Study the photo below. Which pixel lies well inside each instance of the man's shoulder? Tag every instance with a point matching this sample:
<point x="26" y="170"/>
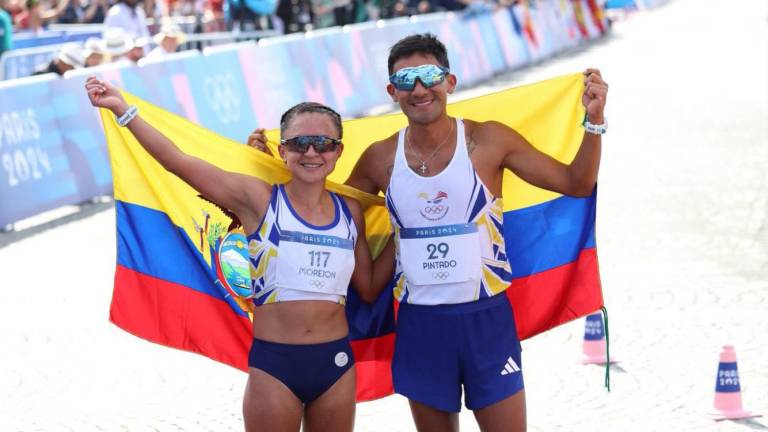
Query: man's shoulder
<point x="488" y="129"/>
<point x="382" y="149"/>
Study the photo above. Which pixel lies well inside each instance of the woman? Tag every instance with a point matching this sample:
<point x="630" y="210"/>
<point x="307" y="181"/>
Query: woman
<point x="306" y="244"/>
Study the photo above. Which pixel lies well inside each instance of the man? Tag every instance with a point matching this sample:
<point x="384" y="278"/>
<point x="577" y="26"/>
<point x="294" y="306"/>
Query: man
<point x="442" y="178"/>
<point x="446" y="174"/>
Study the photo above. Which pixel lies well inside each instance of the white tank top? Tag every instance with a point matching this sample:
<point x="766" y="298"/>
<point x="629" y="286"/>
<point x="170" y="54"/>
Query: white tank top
<point x="448" y="232"/>
<point x="291" y="259"/>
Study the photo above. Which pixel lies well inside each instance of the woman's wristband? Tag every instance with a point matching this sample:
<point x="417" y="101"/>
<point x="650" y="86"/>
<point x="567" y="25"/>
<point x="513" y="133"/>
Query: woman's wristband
<point x="127" y="116"/>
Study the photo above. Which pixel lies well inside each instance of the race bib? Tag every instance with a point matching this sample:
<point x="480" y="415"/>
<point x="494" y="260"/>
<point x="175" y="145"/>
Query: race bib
<point x="440" y="255"/>
<point x="315" y="262"/>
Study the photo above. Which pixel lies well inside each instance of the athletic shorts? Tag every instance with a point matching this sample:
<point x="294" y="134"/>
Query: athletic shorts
<point x="440" y="348"/>
<point x="307" y="370"/>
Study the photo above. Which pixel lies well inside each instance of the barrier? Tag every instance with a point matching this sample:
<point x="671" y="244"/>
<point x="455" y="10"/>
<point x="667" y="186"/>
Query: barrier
<point x="22" y="62"/>
<point x="34" y="39"/>
<point x="52" y="149"/>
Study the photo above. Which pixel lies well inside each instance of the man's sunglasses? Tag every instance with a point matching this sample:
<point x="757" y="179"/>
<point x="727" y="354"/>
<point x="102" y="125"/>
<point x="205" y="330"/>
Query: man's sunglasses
<point x="301" y="143"/>
<point x="429" y="75"/>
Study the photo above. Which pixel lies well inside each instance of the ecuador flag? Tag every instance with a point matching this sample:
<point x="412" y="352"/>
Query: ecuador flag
<point x="180" y="268"/>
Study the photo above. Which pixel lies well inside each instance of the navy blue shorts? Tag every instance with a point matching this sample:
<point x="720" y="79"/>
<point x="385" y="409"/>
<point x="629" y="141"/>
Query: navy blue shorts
<point x="307" y="370"/>
<point x="440" y="348"/>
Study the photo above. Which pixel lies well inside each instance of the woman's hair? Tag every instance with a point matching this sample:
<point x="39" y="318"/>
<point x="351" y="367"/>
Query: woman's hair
<point x="426" y="43"/>
<point x="309" y="107"/>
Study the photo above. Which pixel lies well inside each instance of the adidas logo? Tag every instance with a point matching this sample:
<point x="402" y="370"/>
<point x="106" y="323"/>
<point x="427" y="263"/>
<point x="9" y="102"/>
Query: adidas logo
<point x="510" y="367"/>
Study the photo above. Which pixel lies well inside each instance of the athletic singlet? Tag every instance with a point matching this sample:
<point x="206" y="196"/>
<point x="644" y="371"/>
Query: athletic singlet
<point x="448" y="232"/>
<point x="291" y="259"/>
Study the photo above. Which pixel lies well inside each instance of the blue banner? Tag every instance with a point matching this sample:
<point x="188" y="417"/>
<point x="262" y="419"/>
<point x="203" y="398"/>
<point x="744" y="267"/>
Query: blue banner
<point x="36" y="172"/>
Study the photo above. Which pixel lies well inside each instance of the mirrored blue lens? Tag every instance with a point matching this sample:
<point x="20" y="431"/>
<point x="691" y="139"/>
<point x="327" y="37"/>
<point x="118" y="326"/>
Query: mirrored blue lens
<point x="429" y="75"/>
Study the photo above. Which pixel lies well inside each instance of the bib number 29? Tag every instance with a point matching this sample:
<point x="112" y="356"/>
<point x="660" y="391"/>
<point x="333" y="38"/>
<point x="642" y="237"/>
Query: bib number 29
<point x="435" y="249"/>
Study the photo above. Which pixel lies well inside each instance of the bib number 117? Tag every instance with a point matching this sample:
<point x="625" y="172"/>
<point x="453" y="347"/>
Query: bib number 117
<point x="435" y="249"/>
<point x="318" y="258"/>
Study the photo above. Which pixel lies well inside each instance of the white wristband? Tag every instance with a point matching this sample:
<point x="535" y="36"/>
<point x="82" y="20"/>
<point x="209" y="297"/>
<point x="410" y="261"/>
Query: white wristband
<point x="595" y="129"/>
<point x="127" y="116"/>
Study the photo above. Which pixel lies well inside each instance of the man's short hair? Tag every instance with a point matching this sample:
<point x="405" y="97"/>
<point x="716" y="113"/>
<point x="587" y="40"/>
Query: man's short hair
<point x="425" y="43"/>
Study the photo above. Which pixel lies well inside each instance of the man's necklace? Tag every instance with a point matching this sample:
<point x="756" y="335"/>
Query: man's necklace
<point x="423" y="167"/>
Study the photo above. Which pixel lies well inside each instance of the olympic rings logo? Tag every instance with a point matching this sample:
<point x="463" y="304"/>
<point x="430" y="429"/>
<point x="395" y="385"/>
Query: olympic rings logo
<point x="440" y="275"/>
<point x="436" y="209"/>
<point x="434" y="212"/>
<point x="222" y="97"/>
<point x="317" y="284"/>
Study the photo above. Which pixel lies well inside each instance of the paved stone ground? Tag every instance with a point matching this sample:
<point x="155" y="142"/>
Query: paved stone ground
<point x="682" y="234"/>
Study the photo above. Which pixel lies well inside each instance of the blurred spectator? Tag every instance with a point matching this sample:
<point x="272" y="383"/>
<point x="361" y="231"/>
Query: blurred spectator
<point x="153" y="9"/>
<point x="69" y="57"/>
<point x="137" y="51"/>
<point x="117" y="43"/>
<point x="343" y="12"/>
<point x="128" y="16"/>
<point x="6" y="28"/>
<point x="330" y="13"/>
<point x="81" y="11"/>
<point x="31" y="17"/>
<point x="323" y="12"/>
<point x="95" y="52"/>
<point x="213" y="16"/>
<point x="168" y="40"/>
<point x="249" y="15"/>
<point x="187" y="8"/>
<point x="296" y="15"/>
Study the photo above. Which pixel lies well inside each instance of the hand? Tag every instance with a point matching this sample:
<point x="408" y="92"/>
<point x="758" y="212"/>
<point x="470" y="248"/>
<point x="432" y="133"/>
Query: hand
<point x="105" y="95"/>
<point x="258" y="140"/>
<point x="595" y="95"/>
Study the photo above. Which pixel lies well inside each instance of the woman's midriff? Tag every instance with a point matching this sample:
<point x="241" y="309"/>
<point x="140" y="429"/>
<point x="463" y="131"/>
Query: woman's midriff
<point x="300" y="322"/>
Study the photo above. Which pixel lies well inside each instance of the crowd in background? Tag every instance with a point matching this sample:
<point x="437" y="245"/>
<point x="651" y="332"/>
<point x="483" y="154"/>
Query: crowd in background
<point x="135" y="29"/>
<point x="222" y="15"/>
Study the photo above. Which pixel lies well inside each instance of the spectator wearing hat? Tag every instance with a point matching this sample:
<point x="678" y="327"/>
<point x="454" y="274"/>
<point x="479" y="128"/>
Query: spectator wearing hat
<point x="136" y="53"/>
<point x="117" y="43"/>
<point x="95" y="52"/>
<point x="69" y="57"/>
<point x="168" y="40"/>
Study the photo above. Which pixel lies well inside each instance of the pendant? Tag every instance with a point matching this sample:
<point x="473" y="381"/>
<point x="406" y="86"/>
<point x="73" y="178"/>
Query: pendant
<point x="423" y="168"/>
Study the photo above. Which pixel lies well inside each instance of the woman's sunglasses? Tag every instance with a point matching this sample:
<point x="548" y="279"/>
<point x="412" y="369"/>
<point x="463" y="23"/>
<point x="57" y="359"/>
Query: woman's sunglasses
<point x="301" y="143"/>
<point x="429" y="75"/>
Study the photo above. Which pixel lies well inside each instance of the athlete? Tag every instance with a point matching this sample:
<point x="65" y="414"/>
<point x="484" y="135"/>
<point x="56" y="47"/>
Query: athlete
<point x="306" y="244"/>
<point x="442" y="178"/>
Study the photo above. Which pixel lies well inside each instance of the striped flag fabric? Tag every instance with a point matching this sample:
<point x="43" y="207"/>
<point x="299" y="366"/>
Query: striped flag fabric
<point x="180" y="277"/>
